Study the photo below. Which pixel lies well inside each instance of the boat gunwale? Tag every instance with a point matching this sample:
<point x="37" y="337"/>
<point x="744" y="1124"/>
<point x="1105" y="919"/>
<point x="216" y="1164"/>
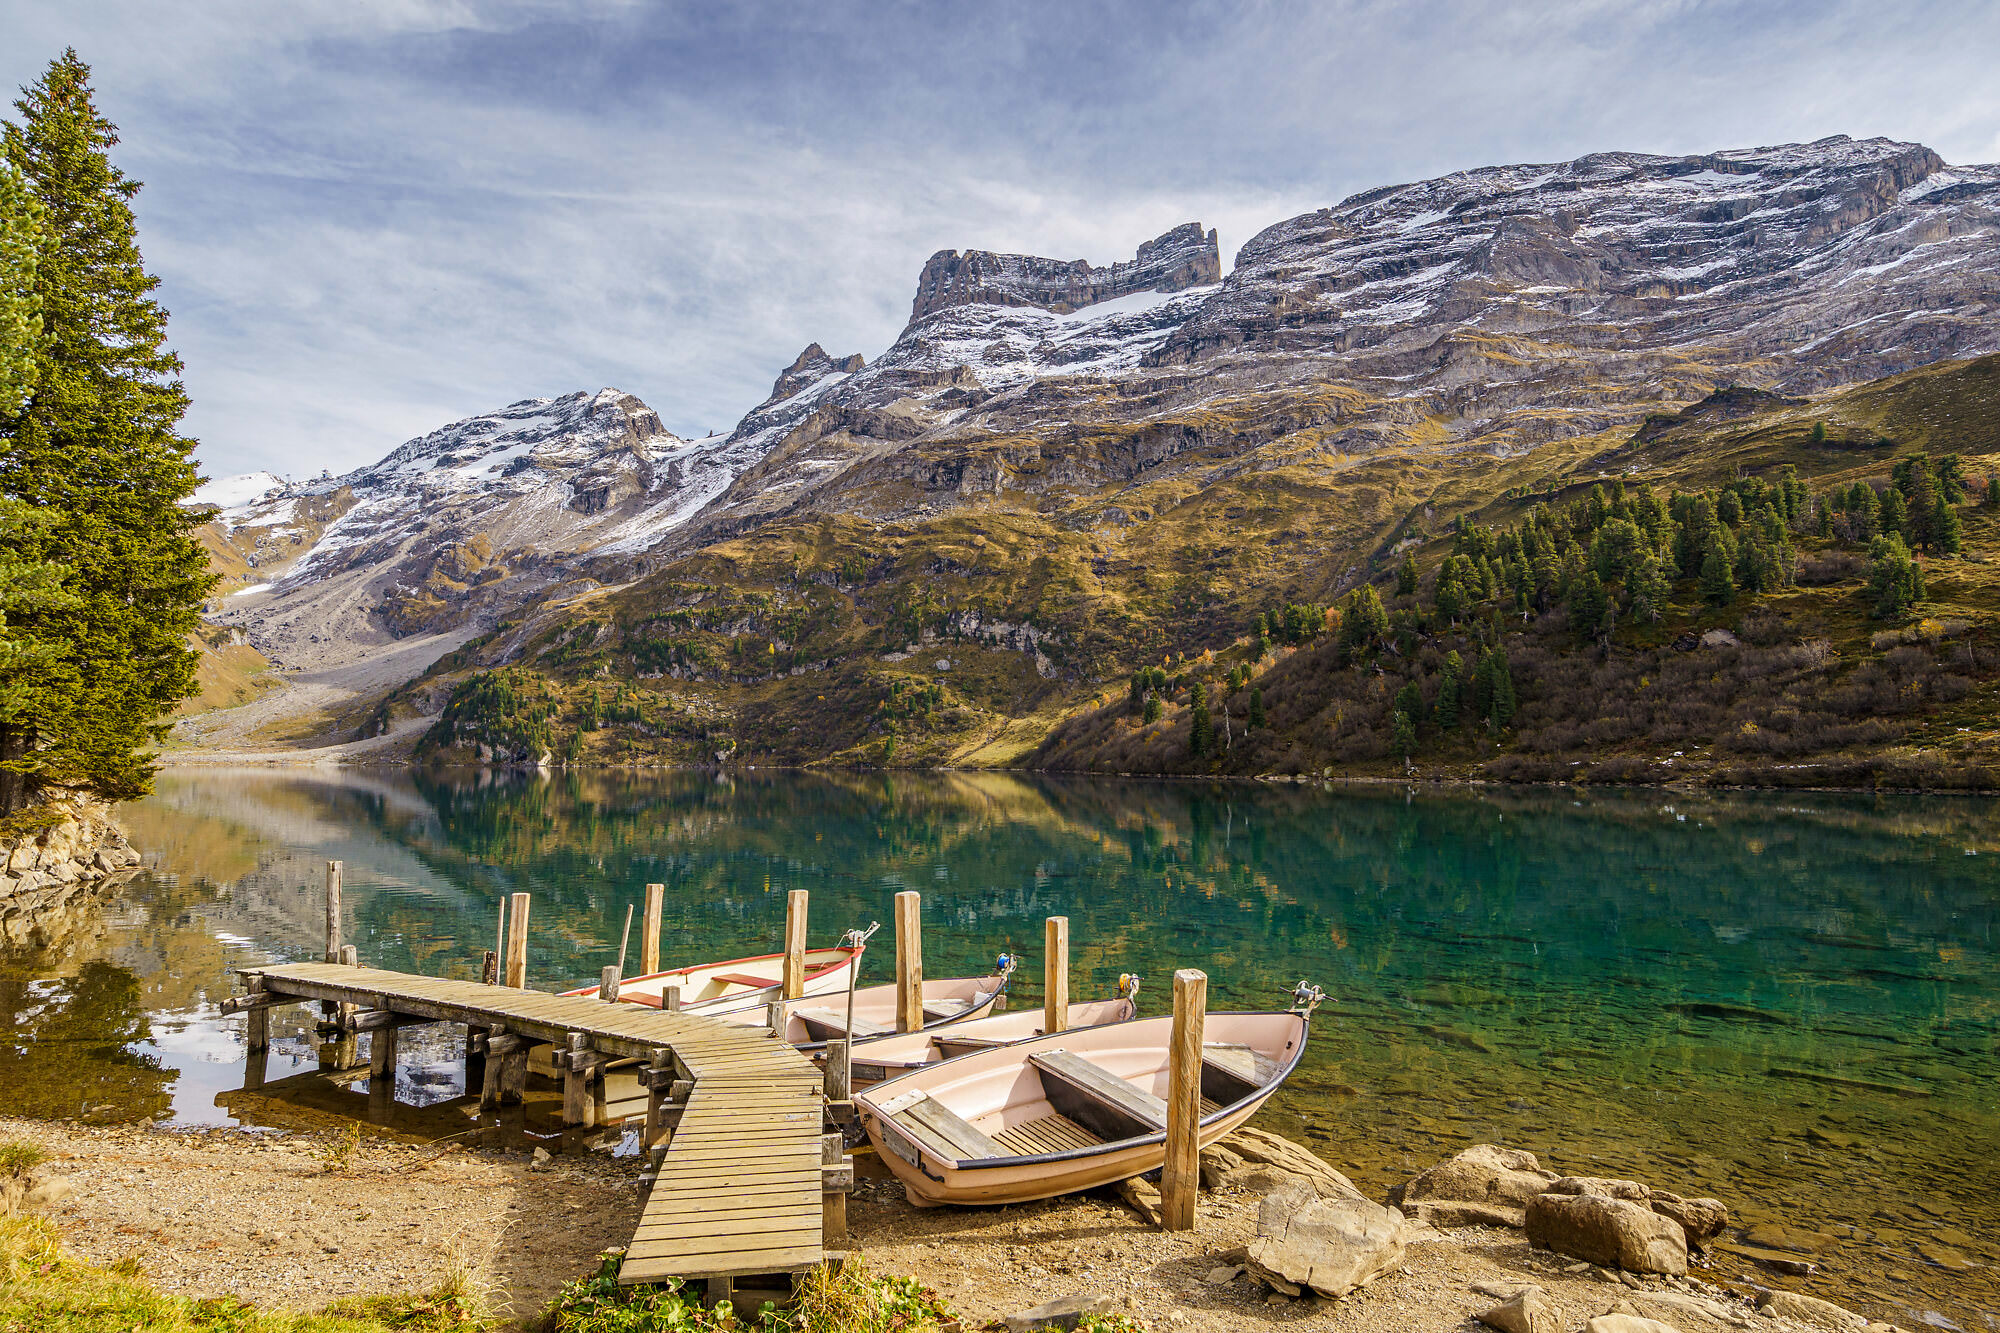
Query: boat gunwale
<point x="1110" y="1145"/>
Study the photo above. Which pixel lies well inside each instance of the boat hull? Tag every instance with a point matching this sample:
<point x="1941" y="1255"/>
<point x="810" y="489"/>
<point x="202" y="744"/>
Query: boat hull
<point x="1000" y="1093"/>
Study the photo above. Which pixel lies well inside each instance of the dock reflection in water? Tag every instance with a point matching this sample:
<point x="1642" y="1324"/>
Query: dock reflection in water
<point x="1790" y="1002"/>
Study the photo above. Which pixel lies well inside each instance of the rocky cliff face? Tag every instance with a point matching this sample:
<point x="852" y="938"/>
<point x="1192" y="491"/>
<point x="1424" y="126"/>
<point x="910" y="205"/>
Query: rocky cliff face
<point x="1497" y="309"/>
<point x="1184" y="257"/>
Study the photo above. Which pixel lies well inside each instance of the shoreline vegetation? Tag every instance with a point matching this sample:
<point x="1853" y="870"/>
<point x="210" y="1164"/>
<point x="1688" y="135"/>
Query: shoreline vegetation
<point x="236" y="1231"/>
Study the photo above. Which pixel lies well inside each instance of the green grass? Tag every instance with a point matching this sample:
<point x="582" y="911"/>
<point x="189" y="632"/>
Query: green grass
<point x="18" y="1158"/>
<point x="44" y="1290"/>
<point x="848" y="1300"/>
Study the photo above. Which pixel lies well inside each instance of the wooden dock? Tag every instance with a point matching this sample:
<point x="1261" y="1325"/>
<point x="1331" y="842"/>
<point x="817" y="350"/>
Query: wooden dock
<point x="739" y="1191"/>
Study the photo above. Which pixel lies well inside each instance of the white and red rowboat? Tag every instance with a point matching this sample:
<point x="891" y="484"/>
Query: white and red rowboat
<point x="1070" y="1110"/>
<point x="737" y="982"/>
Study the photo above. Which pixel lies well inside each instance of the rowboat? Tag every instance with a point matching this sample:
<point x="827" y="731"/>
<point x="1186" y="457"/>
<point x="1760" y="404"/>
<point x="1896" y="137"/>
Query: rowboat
<point x="811" y="1020"/>
<point x="1070" y="1110"/>
<point x="737" y="982"/>
<point x="883" y="1057"/>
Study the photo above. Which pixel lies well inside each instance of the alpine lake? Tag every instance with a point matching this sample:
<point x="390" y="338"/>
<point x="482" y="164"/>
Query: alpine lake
<point x="1790" y="1002"/>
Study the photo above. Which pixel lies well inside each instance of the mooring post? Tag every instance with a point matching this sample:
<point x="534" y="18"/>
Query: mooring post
<point x="1055" y="975"/>
<point x="670" y="999"/>
<point x="775" y="1018"/>
<point x="837" y="1178"/>
<point x="1181" y="1176"/>
<point x="795" y="944"/>
<point x="333" y="873"/>
<point x="499" y="946"/>
<point x="607" y="984"/>
<point x="517" y="943"/>
<point x="909" y="961"/>
<point x="649" y="930"/>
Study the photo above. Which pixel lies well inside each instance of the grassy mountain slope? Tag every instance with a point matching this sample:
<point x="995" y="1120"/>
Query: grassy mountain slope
<point x="999" y="626"/>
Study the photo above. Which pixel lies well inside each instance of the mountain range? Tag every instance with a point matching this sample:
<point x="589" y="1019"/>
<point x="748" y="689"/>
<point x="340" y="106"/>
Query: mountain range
<point x="1082" y="468"/>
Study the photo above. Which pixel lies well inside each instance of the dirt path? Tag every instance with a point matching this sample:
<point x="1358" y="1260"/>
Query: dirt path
<point x="262" y="1215"/>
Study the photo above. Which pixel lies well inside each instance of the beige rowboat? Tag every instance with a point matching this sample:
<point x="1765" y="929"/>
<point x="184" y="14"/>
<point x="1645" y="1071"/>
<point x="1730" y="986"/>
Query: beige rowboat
<point x="877" y="1058"/>
<point x="1068" y="1111"/>
<point x="706" y="987"/>
<point x="811" y="1020"/>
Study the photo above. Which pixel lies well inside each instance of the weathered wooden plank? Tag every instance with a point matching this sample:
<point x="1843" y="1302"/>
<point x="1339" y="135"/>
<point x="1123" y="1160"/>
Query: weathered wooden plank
<point x="1102" y="1085"/>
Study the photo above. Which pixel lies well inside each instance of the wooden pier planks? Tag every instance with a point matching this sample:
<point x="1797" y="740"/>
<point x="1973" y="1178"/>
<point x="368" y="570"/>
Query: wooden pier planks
<point x="739" y="1191"/>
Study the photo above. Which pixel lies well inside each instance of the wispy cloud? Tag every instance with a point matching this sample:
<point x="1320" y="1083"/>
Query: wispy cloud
<point x="374" y="218"/>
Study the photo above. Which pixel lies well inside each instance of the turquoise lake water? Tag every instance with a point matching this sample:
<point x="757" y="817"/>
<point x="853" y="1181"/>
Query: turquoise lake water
<point x="1791" y="1002"/>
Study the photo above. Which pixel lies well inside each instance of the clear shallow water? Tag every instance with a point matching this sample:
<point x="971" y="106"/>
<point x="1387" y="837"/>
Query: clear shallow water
<point x="1792" y="1003"/>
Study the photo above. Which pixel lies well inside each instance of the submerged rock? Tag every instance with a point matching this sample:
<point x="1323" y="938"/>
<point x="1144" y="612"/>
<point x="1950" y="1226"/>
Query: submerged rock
<point x="1601" y="1187"/>
<point x="1616" y="1233"/>
<point x="1333" y="1246"/>
<point x="1484" y="1185"/>
<point x="1809" y="1310"/>
<point x="1702" y="1219"/>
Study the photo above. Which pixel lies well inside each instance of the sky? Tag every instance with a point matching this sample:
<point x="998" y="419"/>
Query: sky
<point x="373" y="217"/>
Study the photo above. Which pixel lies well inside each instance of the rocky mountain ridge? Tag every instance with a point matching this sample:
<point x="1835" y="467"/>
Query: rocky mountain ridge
<point x="1484" y="314"/>
<point x="1173" y="261"/>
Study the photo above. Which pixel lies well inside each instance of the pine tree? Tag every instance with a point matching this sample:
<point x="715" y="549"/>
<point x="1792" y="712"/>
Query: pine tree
<point x="1502" y="713"/>
<point x="1153" y="708"/>
<point x="1946" y="528"/>
<point x="1402" y="734"/>
<point x="1410" y="701"/>
<point x="1717" y="584"/>
<point x="1586" y="606"/>
<point x="20" y="305"/>
<point x="1257" y="709"/>
<point x="1449" y="690"/>
<point x="1895" y="514"/>
<point x="1648" y="590"/>
<point x="1406" y="577"/>
<point x="96" y="447"/>
<point x="1993" y="492"/>
<point x="1895" y="580"/>
<point x="1201" y="731"/>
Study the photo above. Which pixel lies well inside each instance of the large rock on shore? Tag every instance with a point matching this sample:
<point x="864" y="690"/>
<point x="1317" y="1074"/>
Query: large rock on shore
<point x="1810" y="1310"/>
<point x="1529" y="1310"/>
<point x="1484" y="1185"/>
<point x="1333" y="1246"/>
<point x="1256" y="1159"/>
<point x="1616" y="1233"/>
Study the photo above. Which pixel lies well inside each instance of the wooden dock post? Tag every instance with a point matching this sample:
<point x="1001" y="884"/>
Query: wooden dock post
<point x="256" y="1022"/>
<point x="517" y="943"/>
<point x="333" y="875"/>
<point x="1055" y="975"/>
<point x="382" y="1055"/>
<point x="795" y="944"/>
<point x="607" y="984"/>
<point x="670" y="999"/>
<point x="649" y="930"/>
<point x="341" y="1049"/>
<point x="838" y="1086"/>
<point x="475" y="1057"/>
<point x="577" y="1101"/>
<point x="909" y="961"/>
<point x="1181" y="1176"/>
<point x="659" y="1073"/>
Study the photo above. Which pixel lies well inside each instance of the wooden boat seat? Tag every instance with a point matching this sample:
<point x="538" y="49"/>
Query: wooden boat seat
<point x="834" y="1021"/>
<point x="1097" y="1098"/>
<point x="949" y="1045"/>
<point x="939" y="1128"/>
<point x="1241" y="1062"/>
<point x="942" y="1009"/>
<point x="745" y="979"/>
